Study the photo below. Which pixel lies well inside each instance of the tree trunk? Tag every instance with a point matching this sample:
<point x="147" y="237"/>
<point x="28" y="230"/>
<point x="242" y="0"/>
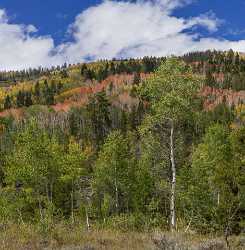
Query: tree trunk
<point x="47" y="191"/>
<point x="87" y="219"/>
<point x="51" y="192"/>
<point x="173" y="181"/>
<point x="116" y="191"/>
<point x="40" y="209"/>
<point x="72" y="204"/>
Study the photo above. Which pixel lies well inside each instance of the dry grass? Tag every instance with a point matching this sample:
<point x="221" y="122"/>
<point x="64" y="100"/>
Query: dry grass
<point x="28" y="237"/>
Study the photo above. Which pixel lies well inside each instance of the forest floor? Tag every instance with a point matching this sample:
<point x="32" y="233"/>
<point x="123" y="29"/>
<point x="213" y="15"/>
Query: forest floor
<point x="27" y="237"/>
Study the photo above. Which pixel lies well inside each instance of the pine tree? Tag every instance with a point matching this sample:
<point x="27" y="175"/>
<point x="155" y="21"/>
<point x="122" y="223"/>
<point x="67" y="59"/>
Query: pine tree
<point x="28" y="99"/>
<point x="37" y="92"/>
<point x="20" y="99"/>
<point x="7" y="102"/>
<point x="137" y="78"/>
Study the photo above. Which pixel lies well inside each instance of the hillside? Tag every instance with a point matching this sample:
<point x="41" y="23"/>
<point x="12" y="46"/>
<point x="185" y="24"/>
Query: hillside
<point x="67" y="86"/>
<point x="148" y="151"/>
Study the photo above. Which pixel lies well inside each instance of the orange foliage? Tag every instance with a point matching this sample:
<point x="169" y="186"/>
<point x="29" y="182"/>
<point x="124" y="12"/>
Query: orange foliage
<point x="17" y="114"/>
<point x="214" y="96"/>
<point x="79" y="96"/>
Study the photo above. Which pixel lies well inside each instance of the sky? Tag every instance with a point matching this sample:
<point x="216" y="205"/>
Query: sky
<point x="37" y="33"/>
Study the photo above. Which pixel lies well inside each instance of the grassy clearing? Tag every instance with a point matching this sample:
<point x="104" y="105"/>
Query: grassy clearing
<point x="67" y="237"/>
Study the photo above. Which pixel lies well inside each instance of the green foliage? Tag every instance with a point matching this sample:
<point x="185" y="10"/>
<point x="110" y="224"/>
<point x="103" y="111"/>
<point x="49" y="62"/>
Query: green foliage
<point x="221" y="69"/>
<point x="7" y="102"/>
<point x="215" y="184"/>
<point x="114" y="173"/>
<point x="107" y="165"/>
<point x="98" y="110"/>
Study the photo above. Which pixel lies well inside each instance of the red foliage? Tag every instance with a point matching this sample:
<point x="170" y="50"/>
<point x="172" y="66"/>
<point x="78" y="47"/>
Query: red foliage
<point x="16" y="113"/>
<point x="81" y="95"/>
<point x="213" y="97"/>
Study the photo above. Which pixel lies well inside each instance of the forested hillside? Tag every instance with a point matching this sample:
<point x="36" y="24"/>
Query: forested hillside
<point x="131" y="145"/>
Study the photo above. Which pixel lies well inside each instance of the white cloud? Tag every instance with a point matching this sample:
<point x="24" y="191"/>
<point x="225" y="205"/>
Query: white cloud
<point x="119" y="29"/>
<point x="31" y="29"/>
<point x="19" y="48"/>
<point x="113" y="29"/>
<point x="208" y="20"/>
<point x="169" y="5"/>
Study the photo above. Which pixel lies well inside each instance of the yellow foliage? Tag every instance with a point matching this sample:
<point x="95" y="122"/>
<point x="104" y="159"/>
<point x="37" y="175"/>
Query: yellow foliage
<point x="2" y="128"/>
<point x="240" y="112"/>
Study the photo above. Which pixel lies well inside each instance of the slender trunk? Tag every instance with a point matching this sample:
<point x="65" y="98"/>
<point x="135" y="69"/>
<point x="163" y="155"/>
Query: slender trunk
<point x="47" y="192"/>
<point x="173" y="181"/>
<point x="72" y="204"/>
<point x="51" y="192"/>
<point x="227" y="237"/>
<point x="218" y="198"/>
<point x="87" y="218"/>
<point x="116" y="190"/>
<point x="40" y="209"/>
<point x="20" y="216"/>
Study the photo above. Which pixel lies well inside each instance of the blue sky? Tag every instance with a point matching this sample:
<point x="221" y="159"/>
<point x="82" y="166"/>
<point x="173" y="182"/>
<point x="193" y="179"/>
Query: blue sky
<point x="48" y="32"/>
<point x="230" y="11"/>
<point x="51" y="17"/>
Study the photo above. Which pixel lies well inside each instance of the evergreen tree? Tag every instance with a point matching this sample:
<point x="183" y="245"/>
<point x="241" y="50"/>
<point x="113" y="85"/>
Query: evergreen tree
<point x="137" y="78"/>
<point x="37" y="91"/>
<point x="28" y="99"/>
<point x="7" y="102"/>
<point x="20" y="99"/>
<point x="98" y="109"/>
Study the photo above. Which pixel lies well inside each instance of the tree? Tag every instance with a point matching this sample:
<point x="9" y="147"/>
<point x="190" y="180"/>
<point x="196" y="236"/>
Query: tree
<point x="20" y="99"/>
<point x="237" y="139"/>
<point x="114" y="174"/>
<point x="137" y="78"/>
<point x="102" y="73"/>
<point x="37" y="91"/>
<point x="84" y="68"/>
<point x="210" y="80"/>
<point x="28" y="99"/>
<point x="48" y="94"/>
<point x="33" y="166"/>
<point x="63" y="73"/>
<point x="7" y="102"/>
<point x="73" y="169"/>
<point x="171" y="92"/>
<point x="99" y="112"/>
<point x="59" y="87"/>
<point x="216" y="181"/>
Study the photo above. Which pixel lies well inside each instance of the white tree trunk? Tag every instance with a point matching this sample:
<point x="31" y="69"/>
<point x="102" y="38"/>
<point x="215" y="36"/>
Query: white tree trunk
<point x="173" y="181"/>
<point x="72" y="205"/>
<point x="116" y="191"/>
<point x="87" y="219"/>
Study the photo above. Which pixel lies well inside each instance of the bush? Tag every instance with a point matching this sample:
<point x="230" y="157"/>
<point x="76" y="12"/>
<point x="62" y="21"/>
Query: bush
<point x="124" y="222"/>
<point x="214" y="244"/>
<point x="169" y="242"/>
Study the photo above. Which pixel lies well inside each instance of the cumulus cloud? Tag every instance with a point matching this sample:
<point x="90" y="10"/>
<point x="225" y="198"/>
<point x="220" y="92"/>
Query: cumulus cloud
<point x="126" y="29"/>
<point x="20" y="48"/>
<point x="113" y="29"/>
<point x="118" y="29"/>
<point x="208" y="20"/>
